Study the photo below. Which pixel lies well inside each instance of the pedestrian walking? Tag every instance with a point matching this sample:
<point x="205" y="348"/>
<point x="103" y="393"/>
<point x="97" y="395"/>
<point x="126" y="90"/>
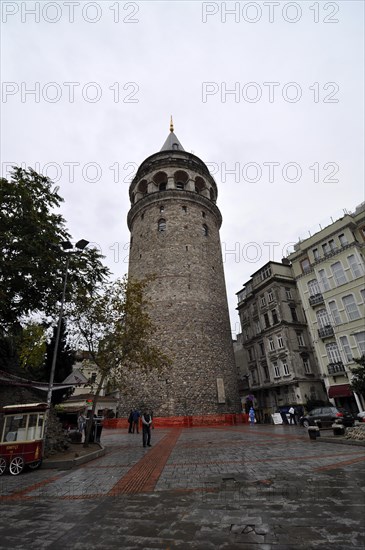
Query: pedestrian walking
<point x="136" y="417"/>
<point x="292" y="419"/>
<point x="251" y="414"/>
<point x="130" y="421"/>
<point x="146" y="429"/>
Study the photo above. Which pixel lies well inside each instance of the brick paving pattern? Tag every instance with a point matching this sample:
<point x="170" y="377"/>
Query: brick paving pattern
<point x="239" y="487"/>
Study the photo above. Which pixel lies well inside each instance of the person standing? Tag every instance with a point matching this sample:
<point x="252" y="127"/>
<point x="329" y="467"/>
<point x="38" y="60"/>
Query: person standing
<point x="146" y="429"/>
<point x="136" y="417"/>
<point x="130" y="421"/>
<point x="292" y="419"/>
<point x="251" y="414"/>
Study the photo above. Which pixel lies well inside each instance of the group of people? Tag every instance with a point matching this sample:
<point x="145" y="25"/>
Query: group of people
<point x="146" y="421"/>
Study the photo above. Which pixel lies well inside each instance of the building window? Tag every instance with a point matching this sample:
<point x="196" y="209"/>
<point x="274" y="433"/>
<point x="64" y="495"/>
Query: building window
<point x="162" y="186"/>
<point x="184" y="208"/>
<point x="265" y="273"/>
<point x="307" y="367"/>
<point x="360" y="341"/>
<point x="280" y="341"/>
<point x="258" y="327"/>
<point x="162" y="208"/>
<point x="266" y="372"/>
<point x="338" y="273"/>
<point x="362" y="292"/>
<point x="334" y="312"/>
<point x="356" y="267"/>
<point x="332" y="245"/>
<point x="254" y="376"/>
<point x="325" y="249"/>
<point x="263" y="301"/>
<point x="270" y="296"/>
<point x="161" y="226"/>
<point x="323" y="279"/>
<point x="333" y="353"/>
<point x="275" y="319"/>
<point x="323" y="318"/>
<point x="351" y="308"/>
<point x="305" y="265"/>
<point x="346" y="348"/>
<point x="262" y="349"/>
<point x="203" y="213"/>
<point x="288" y="293"/>
<point x="343" y="240"/>
<point x="179" y="185"/>
<point x="285" y="368"/>
<point x="294" y="315"/>
<point x="276" y="370"/>
<point x="250" y="354"/>
<point x="315" y="254"/>
<point x="267" y="322"/>
<point x="205" y="230"/>
<point x="313" y="287"/>
<point x="300" y="339"/>
<point x="271" y="344"/>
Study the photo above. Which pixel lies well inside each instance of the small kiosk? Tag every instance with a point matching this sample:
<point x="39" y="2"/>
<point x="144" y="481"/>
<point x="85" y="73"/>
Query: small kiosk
<point x="21" y="436"/>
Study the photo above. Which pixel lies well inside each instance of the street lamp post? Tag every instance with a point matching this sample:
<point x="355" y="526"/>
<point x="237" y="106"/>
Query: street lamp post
<point x="66" y="245"/>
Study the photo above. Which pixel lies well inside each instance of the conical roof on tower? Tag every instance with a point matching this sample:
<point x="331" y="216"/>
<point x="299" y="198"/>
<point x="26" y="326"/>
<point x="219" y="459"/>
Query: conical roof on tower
<point x="172" y="143"/>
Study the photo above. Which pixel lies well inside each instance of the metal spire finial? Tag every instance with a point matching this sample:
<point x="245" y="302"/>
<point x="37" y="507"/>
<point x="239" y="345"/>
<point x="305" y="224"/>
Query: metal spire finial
<point x="171" y="125"/>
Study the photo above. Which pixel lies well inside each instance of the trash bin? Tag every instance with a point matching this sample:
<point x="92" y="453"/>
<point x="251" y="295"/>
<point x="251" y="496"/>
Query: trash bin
<point x="338" y="429"/>
<point x="98" y="429"/>
<point x="313" y="432"/>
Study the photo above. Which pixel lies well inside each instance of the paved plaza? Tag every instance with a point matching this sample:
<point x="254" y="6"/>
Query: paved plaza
<point x="241" y="487"/>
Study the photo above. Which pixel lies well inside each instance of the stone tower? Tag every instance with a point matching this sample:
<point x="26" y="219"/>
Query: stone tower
<point x="174" y="223"/>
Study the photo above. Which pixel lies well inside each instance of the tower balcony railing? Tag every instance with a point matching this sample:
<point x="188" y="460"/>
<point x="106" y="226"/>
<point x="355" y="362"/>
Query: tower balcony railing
<point x="337" y="367"/>
<point x="316" y="299"/>
<point x="325" y="332"/>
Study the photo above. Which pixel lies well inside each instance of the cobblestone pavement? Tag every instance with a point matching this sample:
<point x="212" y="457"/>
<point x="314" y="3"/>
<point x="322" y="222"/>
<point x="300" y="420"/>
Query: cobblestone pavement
<point x="240" y="487"/>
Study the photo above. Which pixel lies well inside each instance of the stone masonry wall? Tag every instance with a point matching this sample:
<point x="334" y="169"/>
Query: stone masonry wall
<point x="189" y="305"/>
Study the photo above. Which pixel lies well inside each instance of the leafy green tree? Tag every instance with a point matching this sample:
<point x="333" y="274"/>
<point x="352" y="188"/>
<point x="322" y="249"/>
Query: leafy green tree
<point x="31" y="265"/>
<point x="113" y="324"/>
<point x="32" y="350"/>
<point x="358" y="379"/>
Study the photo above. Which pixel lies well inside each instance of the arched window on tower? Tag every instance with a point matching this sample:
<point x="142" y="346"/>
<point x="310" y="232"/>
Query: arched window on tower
<point x="199" y="185"/>
<point x="181" y="179"/>
<point x="205" y="230"/>
<point x="161" y="226"/>
<point x="160" y="180"/>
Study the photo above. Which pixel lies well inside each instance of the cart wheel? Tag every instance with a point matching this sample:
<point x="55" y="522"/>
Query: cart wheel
<point x="34" y="465"/>
<point x="16" y="465"/>
<point x="2" y="466"/>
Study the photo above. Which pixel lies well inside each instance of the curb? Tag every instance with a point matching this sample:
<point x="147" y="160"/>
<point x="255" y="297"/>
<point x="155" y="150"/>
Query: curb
<point x="342" y="441"/>
<point x="48" y="463"/>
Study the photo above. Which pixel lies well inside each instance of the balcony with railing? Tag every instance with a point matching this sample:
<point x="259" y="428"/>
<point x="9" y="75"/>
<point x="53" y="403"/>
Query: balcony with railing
<point x="316" y="299"/>
<point x="325" y="332"/>
<point x="336" y="368"/>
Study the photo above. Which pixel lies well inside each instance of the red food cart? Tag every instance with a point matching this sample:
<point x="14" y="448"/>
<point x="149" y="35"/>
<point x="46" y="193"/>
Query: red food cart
<point x="21" y="436"/>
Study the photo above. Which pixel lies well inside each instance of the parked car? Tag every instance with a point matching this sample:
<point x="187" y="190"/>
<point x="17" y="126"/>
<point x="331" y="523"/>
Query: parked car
<point x="324" y="417"/>
<point x="361" y="416"/>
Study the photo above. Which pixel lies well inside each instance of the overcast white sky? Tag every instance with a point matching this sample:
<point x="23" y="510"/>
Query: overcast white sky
<point x="88" y="89"/>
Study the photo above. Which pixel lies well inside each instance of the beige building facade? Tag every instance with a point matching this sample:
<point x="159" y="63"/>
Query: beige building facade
<point x="329" y="269"/>
<point x="281" y="367"/>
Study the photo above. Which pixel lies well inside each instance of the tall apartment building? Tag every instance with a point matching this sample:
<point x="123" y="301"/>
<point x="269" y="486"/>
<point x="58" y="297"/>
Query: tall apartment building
<point x="329" y="272"/>
<point x="282" y="369"/>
